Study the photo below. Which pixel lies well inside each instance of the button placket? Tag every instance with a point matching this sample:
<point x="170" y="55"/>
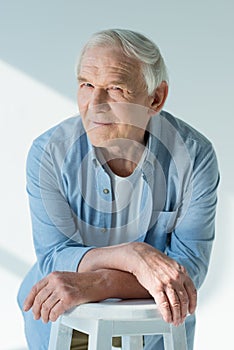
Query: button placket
<point x="103" y="185"/>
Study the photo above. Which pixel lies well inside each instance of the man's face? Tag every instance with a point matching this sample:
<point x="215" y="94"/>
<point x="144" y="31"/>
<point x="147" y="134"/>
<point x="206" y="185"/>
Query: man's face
<point x="112" y="96"/>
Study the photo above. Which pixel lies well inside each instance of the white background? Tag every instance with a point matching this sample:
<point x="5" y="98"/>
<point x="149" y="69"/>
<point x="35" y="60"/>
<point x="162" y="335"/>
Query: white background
<point x="39" y="44"/>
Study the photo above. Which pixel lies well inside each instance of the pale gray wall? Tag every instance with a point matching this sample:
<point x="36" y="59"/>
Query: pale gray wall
<point x="39" y="44"/>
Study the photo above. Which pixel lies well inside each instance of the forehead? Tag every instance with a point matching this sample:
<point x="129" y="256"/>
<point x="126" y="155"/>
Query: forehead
<point x="103" y="61"/>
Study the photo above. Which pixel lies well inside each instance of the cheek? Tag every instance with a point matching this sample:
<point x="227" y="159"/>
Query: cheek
<point x="83" y="99"/>
<point x="134" y="115"/>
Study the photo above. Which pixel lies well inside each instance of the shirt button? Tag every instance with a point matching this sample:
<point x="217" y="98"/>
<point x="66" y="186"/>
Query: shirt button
<point x="103" y="230"/>
<point x="106" y="191"/>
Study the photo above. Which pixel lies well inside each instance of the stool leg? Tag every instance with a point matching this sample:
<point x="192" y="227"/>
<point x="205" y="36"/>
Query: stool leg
<point x="60" y="336"/>
<point x="132" y="342"/>
<point x="176" y="339"/>
<point x="100" y="337"/>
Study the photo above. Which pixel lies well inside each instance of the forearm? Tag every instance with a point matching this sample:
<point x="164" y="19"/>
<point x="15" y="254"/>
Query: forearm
<point x="120" y="257"/>
<point x="120" y="284"/>
<point x="117" y="267"/>
<point x="61" y="290"/>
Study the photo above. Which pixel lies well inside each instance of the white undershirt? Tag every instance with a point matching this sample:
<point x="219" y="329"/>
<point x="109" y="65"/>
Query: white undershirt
<point x="126" y="205"/>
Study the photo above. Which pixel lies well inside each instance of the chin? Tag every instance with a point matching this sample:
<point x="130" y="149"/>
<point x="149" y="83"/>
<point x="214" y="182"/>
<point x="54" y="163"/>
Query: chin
<point x="99" y="136"/>
<point x="98" y="139"/>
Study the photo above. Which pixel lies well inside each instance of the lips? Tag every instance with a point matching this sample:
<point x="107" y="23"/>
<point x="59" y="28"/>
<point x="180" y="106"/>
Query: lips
<point x="102" y="122"/>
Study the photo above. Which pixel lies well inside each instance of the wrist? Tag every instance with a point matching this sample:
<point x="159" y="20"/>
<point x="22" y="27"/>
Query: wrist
<point x="134" y="257"/>
<point x="99" y="287"/>
<point x="140" y="252"/>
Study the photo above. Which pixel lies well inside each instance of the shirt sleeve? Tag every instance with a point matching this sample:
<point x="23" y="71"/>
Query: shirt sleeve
<point x="58" y="244"/>
<point x="192" y="239"/>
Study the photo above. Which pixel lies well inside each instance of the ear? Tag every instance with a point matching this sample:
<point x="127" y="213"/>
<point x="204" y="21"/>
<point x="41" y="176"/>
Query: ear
<point x="158" y="98"/>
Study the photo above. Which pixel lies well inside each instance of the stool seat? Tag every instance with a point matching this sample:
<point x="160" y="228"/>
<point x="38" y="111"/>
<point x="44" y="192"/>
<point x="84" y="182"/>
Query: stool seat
<point x="116" y="308"/>
<point x="130" y="319"/>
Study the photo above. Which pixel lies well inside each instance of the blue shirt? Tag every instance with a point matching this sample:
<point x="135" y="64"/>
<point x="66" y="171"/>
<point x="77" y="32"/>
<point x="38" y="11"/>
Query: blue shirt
<point x="71" y="201"/>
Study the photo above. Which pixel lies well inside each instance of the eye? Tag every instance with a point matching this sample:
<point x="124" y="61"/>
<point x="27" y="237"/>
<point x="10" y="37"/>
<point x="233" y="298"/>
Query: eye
<point x="116" y="88"/>
<point x="86" y="85"/>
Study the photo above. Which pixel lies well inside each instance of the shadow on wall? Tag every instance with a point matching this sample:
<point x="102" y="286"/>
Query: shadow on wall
<point x="13" y="264"/>
<point x="35" y="38"/>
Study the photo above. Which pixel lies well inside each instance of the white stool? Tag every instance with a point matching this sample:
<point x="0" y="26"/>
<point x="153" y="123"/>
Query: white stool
<point x="130" y="319"/>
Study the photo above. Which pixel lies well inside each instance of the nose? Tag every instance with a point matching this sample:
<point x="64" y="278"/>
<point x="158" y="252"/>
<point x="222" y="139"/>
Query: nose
<point x="98" y="102"/>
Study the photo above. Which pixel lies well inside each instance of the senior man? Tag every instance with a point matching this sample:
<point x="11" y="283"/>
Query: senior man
<point x="122" y="197"/>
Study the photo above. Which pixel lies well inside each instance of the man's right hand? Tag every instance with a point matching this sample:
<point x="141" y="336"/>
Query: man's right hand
<point x="60" y="291"/>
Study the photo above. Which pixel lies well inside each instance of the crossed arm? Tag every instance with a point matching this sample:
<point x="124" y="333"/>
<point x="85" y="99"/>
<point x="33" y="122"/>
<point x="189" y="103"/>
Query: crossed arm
<point x="132" y="270"/>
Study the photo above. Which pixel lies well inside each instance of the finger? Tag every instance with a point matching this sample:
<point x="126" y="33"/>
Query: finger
<point x="163" y="305"/>
<point x="57" y="310"/>
<point x="182" y="269"/>
<point x="175" y="305"/>
<point x="40" y="298"/>
<point x="184" y="302"/>
<point x="34" y="291"/>
<point x="182" y="292"/>
<point x="192" y="295"/>
<point x="47" y="306"/>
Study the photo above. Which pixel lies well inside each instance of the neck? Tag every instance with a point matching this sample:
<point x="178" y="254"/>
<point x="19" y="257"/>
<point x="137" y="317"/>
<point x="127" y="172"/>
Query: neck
<point x="123" y="156"/>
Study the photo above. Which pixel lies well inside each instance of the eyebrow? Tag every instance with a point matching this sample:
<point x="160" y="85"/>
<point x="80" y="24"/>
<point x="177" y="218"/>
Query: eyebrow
<point x="80" y="78"/>
<point x="120" y="82"/>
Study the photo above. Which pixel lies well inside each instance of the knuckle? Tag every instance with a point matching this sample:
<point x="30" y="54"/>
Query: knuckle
<point x="176" y="305"/>
<point x="175" y="278"/>
<point x="65" y="299"/>
<point x="160" y="288"/>
<point x="184" y="302"/>
<point x="54" y="275"/>
<point x="168" y="280"/>
<point x="177" y="274"/>
<point x="183" y="298"/>
<point x="169" y="285"/>
<point x="181" y="269"/>
<point x="165" y="305"/>
<point x="64" y="292"/>
<point x="59" y="310"/>
<point x="34" y="289"/>
<point x="38" y="300"/>
<point x="45" y="307"/>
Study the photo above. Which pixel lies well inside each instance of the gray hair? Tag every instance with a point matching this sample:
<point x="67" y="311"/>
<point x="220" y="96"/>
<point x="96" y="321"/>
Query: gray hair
<point x="134" y="45"/>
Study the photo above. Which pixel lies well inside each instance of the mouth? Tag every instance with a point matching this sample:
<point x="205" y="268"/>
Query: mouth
<point x="101" y="123"/>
